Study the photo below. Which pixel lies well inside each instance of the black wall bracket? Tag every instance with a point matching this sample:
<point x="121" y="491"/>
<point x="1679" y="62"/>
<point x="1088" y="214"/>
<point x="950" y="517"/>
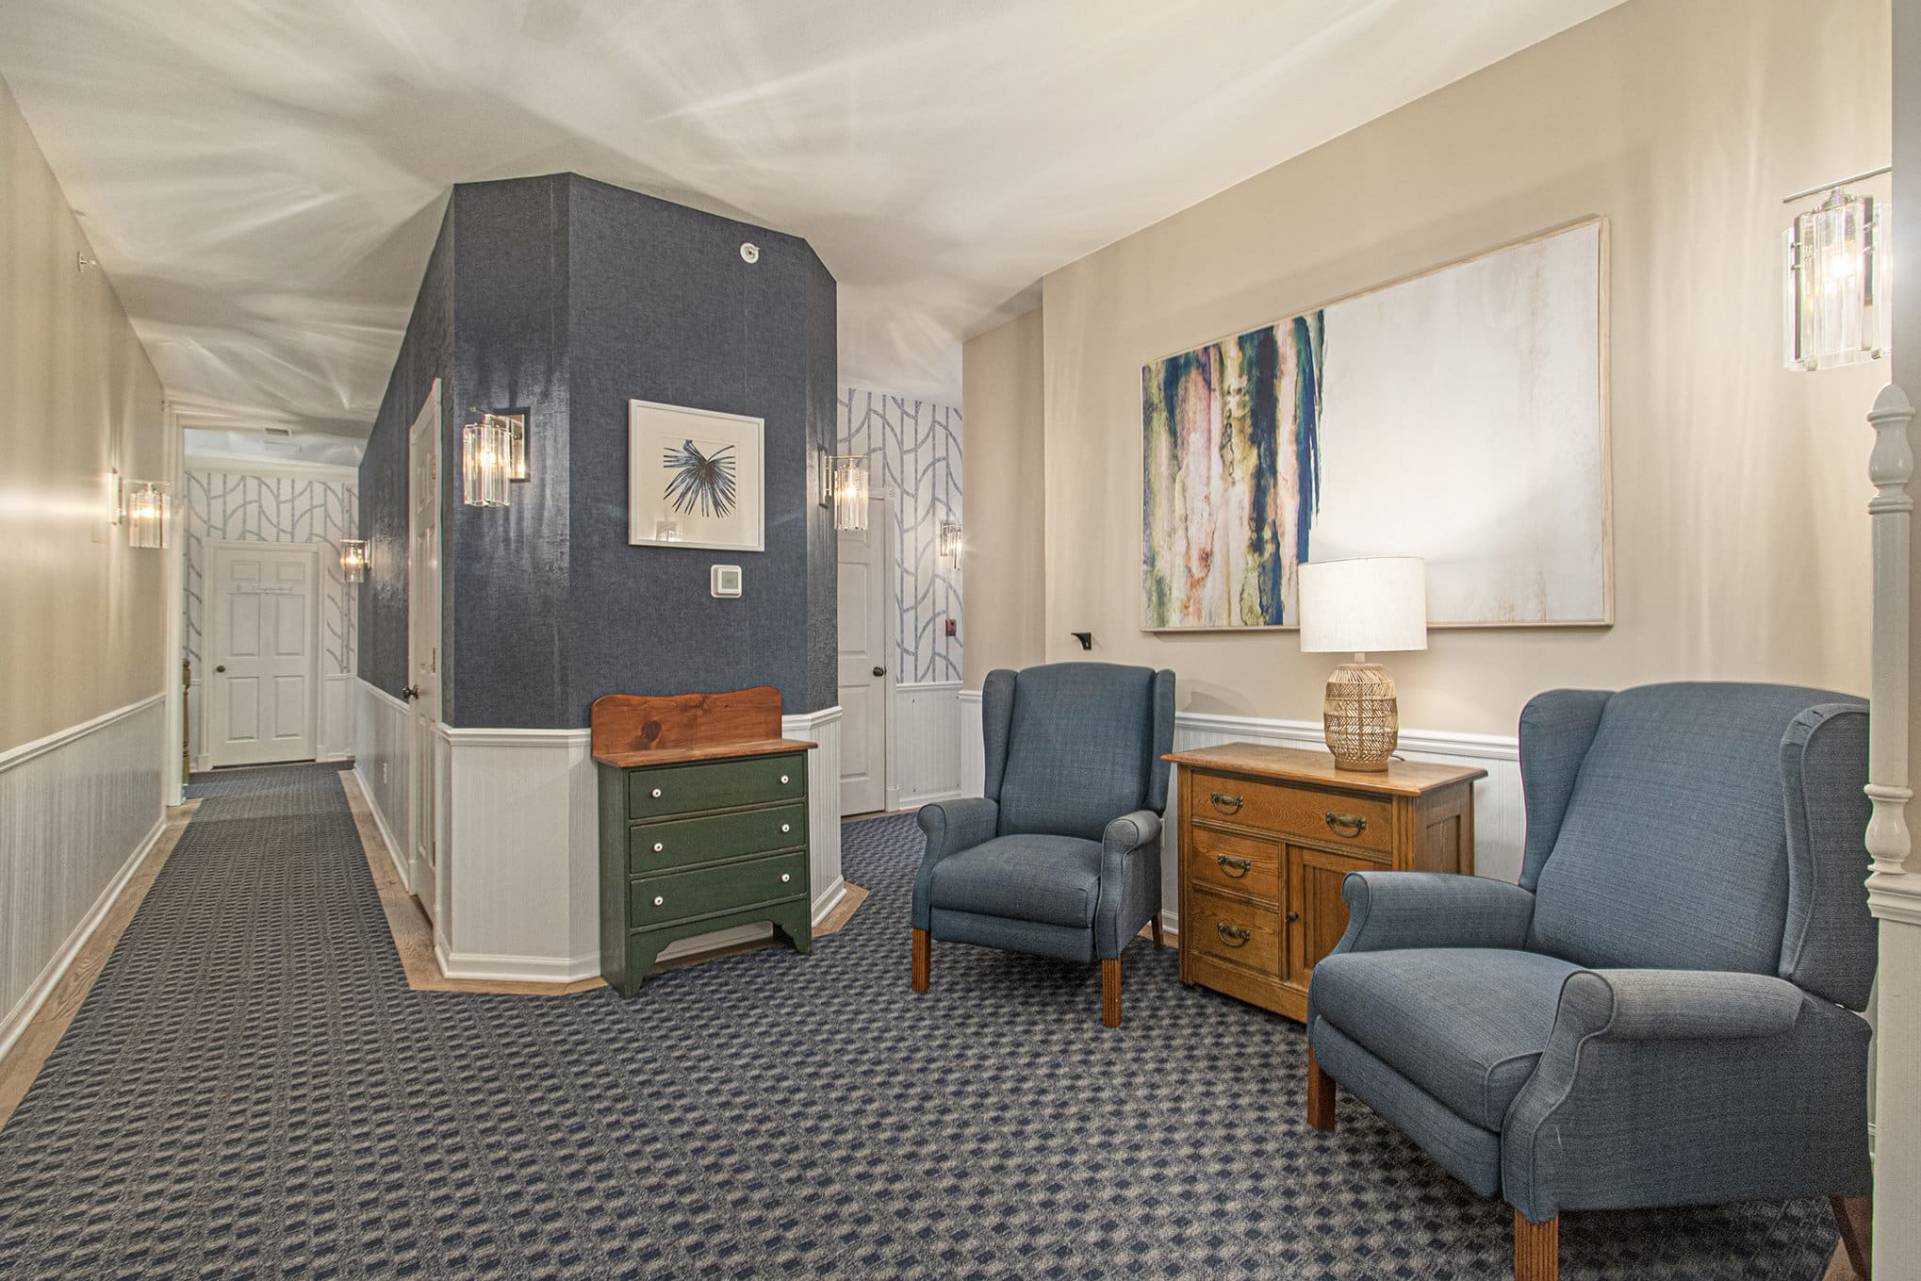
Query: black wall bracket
<point x="1085" y="638"/>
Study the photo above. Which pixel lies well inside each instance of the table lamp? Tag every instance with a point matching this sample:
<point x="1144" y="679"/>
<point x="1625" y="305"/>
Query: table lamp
<point x="1374" y="603"/>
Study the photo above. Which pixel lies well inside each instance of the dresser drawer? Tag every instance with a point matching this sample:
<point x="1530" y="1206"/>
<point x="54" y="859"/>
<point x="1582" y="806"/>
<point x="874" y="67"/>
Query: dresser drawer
<point x="1326" y="818"/>
<point x="657" y="847"/>
<point x="674" y="896"/>
<point x="687" y="789"/>
<point x="1245" y="934"/>
<point x="1235" y="864"/>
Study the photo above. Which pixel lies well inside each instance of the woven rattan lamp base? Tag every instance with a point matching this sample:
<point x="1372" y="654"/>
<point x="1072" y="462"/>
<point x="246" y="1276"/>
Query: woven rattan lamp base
<point x="1361" y="716"/>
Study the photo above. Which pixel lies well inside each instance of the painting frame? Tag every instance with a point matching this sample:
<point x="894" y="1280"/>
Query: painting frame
<point x="708" y="493"/>
<point x="1603" y="529"/>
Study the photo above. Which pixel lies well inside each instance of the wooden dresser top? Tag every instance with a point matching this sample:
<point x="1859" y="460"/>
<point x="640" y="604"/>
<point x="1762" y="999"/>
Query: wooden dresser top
<point x="677" y="729"/>
<point x="1297" y="765"/>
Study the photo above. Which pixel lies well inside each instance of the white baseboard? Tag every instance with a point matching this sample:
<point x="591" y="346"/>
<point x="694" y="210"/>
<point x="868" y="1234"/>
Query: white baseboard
<point x="513" y="969"/>
<point x="386" y="833"/>
<point x="56" y="969"/>
<point x="829" y="899"/>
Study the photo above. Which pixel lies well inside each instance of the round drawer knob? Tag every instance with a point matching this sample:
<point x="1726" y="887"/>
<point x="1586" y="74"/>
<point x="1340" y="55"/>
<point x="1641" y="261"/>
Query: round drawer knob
<point x="656" y="793"/>
<point x="786" y="877"/>
<point x="659" y="901"/>
<point x="783" y="778"/>
<point x="786" y="827"/>
<point x="658" y="847"/>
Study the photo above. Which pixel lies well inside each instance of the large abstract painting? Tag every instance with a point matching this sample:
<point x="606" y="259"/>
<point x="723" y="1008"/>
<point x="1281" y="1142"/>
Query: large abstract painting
<point x="1460" y="416"/>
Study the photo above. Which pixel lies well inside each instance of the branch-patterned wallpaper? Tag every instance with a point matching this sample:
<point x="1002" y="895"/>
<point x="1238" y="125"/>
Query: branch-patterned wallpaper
<point x="242" y="507"/>
<point x="915" y="451"/>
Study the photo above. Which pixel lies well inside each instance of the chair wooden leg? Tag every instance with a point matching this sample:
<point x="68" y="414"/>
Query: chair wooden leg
<point x="1854" y="1215"/>
<point x="1111" y="992"/>
<point x="1159" y="942"/>
<point x="1320" y="1095"/>
<point x="922" y="960"/>
<point x="1537" y="1249"/>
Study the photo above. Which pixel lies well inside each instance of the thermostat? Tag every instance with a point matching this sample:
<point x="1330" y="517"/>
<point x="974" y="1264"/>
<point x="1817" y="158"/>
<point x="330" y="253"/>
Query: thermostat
<point x="724" y="580"/>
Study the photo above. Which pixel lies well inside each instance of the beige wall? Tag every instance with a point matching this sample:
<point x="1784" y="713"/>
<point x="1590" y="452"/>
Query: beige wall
<point x="1739" y="526"/>
<point x="1002" y="498"/>
<point x="81" y="615"/>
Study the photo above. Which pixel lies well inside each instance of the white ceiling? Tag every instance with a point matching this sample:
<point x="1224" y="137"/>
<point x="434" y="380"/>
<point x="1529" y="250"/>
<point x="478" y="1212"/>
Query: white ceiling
<point x="263" y="179"/>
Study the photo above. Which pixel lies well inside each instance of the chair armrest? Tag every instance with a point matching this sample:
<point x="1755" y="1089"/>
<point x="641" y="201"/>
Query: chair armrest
<point x="1130" y="880"/>
<point x="1390" y="910"/>
<point x="1676" y="1005"/>
<point x="1128" y="833"/>
<point x="952" y="826"/>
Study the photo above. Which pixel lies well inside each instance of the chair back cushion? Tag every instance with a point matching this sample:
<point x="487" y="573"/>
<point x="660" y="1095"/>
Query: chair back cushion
<point x="1081" y="747"/>
<point x="1672" y="850"/>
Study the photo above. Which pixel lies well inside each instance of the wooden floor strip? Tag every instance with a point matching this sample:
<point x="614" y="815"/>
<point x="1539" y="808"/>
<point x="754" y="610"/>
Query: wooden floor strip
<point x="414" y="938"/>
<point x="49" y="1023"/>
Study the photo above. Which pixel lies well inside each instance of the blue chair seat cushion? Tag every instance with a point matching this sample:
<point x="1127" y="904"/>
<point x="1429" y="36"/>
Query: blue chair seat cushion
<point x="1053" y="880"/>
<point x="1464" y="1024"/>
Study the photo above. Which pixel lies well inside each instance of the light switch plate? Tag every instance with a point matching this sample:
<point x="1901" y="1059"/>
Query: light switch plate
<point x="724" y="580"/>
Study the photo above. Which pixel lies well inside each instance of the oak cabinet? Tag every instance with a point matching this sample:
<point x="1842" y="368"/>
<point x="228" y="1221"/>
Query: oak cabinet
<point x="1267" y="834"/>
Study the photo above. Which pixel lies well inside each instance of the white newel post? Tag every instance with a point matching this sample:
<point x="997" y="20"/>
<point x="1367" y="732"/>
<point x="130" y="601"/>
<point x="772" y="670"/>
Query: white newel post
<point x="1894" y="886"/>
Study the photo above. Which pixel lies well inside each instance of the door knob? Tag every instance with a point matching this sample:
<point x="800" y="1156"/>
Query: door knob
<point x="221" y="668"/>
<point x="410" y="693"/>
<point x="880" y="671"/>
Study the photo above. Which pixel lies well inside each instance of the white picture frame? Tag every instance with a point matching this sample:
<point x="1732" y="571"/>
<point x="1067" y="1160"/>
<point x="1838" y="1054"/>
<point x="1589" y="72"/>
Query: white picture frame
<point x="695" y="478"/>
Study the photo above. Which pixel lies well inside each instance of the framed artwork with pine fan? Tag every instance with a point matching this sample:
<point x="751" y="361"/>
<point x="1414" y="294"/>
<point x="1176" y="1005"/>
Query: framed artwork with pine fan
<point x="694" y="478"/>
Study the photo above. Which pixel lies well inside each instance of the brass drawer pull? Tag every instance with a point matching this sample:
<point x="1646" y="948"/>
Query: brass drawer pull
<point x="656" y="793"/>
<point x="659" y="901"/>
<point x="1346" y="824"/>
<point x="786" y="877"/>
<point x="1234" y="867"/>
<point x="659" y="847"/>
<point x="786" y="827"/>
<point x="1227" y="804"/>
<point x="1232" y="935"/>
<point x="783" y="780"/>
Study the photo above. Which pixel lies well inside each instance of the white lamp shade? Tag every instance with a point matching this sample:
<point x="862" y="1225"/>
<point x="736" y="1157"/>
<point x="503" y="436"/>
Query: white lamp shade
<point x="1373" y="603"/>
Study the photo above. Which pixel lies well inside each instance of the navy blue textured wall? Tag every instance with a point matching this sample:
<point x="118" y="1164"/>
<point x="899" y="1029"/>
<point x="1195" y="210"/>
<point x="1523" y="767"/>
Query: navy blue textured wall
<point x="665" y="309"/>
<point x="504" y="612"/>
<point x="568" y="297"/>
<point x="426" y="353"/>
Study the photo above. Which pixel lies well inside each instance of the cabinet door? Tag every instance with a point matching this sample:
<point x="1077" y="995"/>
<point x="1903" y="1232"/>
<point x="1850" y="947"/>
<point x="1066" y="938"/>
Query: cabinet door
<point x="1316" y="914"/>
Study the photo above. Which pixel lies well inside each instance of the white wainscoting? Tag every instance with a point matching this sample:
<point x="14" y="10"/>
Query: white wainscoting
<point x="520" y="862"/>
<point x="380" y="763"/>
<point x="973" y="748"/>
<point x="337" y="716"/>
<point x="78" y="811"/>
<point x="520" y="846"/>
<point x="1500" y="818"/>
<point x="927" y="743"/>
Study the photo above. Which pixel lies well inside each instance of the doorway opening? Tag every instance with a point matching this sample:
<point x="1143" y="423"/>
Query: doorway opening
<point x="868" y="619"/>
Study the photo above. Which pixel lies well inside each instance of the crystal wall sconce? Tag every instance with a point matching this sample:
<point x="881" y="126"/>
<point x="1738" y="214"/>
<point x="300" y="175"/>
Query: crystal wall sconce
<point x="148" y="505"/>
<point x="844" y="488"/>
<point x="353" y="559"/>
<point x="948" y="545"/>
<point x="486" y="462"/>
<point x="1836" y="295"/>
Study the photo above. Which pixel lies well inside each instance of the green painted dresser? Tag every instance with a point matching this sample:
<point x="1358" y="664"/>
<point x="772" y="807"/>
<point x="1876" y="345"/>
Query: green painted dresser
<point x="703" y="824"/>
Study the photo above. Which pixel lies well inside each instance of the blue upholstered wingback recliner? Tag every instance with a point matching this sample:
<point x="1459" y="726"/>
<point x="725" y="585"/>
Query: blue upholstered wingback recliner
<point x="1062" y="855"/>
<point x="1663" y="1011"/>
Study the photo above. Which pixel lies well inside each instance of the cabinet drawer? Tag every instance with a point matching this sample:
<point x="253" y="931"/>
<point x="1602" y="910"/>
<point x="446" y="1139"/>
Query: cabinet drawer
<point x="675" y="896"/>
<point x="656" y="847"/>
<point x="1329" y="818"/>
<point x="687" y="789"/>
<point x="1233" y="863"/>
<point x="1242" y="933"/>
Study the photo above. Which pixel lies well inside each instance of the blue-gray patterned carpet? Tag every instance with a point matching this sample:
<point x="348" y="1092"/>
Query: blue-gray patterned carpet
<point x="253" y="1091"/>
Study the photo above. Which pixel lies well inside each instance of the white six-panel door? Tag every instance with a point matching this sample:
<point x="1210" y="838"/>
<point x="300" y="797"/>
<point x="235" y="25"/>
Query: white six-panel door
<point x="265" y="649"/>
<point x="865" y="651"/>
